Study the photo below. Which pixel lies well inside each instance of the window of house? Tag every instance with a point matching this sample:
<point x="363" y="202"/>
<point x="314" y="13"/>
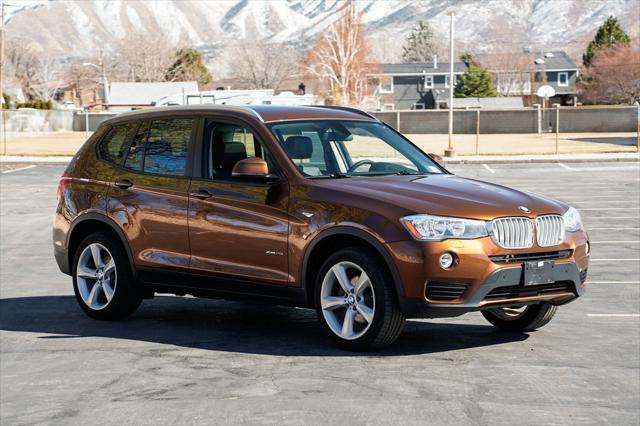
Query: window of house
<point x="446" y="80"/>
<point x="112" y="148"/>
<point x="428" y="82"/>
<point x="418" y="105"/>
<point x="563" y="79"/>
<point x="386" y="85"/>
<point x="388" y="107"/>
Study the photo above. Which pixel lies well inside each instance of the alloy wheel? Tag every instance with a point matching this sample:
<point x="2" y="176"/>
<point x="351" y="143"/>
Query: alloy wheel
<point x="96" y="276"/>
<point x="347" y="300"/>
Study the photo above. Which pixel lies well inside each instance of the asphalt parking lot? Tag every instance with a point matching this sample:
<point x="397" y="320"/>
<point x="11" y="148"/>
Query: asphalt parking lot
<point x="192" y="361"/>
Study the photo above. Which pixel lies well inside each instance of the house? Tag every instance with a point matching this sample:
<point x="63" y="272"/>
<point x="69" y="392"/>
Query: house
<point x="521" y="74"/>
<point x="130" y="96"/>
<point x="412" y="86"/>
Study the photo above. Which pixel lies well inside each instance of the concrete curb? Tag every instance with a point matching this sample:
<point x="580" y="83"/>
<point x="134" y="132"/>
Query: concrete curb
<point x="549" y="158"/>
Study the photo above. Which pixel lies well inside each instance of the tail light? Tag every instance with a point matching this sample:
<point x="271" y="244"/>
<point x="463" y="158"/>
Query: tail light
<point x="65" y="180"/>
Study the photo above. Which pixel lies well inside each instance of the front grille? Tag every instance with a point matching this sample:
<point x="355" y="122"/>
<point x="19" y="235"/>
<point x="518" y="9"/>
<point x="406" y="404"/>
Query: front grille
<point x="549" y="230"/>
<point x="445" y="291"/>
<point x="512" y="232"/>
<point x="516" y="291"/>
<point x="515" y="258"/>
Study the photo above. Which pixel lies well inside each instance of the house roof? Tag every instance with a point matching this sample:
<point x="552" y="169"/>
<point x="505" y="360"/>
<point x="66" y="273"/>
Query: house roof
<point x="423" y="68"/>
<point x="553" y="60"/>
<point x="121" y="93"/>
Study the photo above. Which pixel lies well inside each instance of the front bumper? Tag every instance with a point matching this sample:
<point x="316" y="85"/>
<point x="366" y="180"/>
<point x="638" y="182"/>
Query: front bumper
<point x="483" y="281"/>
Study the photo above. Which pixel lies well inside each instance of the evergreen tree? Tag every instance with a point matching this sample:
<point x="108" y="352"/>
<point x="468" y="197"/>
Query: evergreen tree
<point x="420" y="46"/>
<point x="609" y="33"/>
<point x="477" y="82"/>
<point x="187" y="65"/>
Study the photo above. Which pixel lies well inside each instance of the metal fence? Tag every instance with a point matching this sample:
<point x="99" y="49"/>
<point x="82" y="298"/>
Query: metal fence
<point x="38" y="121"/>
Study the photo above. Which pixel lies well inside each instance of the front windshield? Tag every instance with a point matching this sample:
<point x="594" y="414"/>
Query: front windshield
<point x="335" y="148"/>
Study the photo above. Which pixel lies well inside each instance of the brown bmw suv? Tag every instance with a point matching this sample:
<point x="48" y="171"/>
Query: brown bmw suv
<point x="317" y="207"/>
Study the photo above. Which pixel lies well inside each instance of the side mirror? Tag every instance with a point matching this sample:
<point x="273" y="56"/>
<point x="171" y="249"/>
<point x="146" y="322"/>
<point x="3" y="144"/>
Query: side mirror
<point x="438" y="159"/>
<point x="252" y="168"/>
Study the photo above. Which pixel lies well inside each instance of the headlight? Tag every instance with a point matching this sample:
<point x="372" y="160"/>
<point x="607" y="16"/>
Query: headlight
<point x="572" y="220"/>
<point x="437" y="228"/>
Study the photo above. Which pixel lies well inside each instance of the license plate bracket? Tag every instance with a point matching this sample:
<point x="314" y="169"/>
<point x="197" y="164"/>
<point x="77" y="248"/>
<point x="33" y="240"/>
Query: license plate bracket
<point x="538" y="272"/>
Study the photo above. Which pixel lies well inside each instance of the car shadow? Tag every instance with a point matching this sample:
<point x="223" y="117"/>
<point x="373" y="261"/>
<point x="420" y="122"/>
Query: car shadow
<point x="629" y="141"/>
<point x="229" y="326"/>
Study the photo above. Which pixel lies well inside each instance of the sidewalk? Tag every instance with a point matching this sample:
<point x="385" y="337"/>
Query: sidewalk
<point x="60" y="147"/>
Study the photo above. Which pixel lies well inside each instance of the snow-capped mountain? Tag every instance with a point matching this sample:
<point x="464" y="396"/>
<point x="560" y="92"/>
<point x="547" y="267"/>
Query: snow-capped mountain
<point x="81" y="27"/>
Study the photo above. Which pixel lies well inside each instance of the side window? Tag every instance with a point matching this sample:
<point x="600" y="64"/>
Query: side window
<point x="112" y="147"/>
<point x="226" y="144"/>
<point x="136" y="149"/>
<point x="166" y="146"/>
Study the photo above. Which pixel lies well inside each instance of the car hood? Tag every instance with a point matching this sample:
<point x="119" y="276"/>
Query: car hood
<point x="447" y="195"/>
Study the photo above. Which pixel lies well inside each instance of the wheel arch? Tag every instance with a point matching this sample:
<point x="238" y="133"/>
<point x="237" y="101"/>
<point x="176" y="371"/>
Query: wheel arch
<point x="90" y="223"/>
<point x="333" y="239"/>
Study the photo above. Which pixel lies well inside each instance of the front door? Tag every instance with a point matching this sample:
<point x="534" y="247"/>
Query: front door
<point x="238" y="229"/>
<point x="149" y="194"/>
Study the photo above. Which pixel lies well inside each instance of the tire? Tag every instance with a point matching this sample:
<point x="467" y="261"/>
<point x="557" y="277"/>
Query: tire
<point x="370" y="306"/>
<point x="107" y="292"/>
<point x="530" y="318"/>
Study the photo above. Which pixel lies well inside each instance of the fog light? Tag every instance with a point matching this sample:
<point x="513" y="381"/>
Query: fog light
<point x="446" y="260"/>
<point x="587" y="248"/>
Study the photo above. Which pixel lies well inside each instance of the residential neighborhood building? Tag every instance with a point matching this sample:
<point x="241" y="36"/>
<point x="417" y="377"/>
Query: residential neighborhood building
<point x="517" y="77"/>
<point x="129" y="96"/>
<point x="412" y="86"/>
<point x="521" y="74"/>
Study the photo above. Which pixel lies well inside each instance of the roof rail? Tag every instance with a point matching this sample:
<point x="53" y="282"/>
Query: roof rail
<point x="349" y="109"/>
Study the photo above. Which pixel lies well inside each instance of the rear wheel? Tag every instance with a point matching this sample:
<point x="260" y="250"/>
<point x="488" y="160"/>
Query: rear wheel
<point x="523" y="318"/>
<point x="102" y="279"/>
<point x="356" y="301"/>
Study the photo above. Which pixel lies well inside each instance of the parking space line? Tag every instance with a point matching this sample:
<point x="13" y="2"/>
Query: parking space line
<point x="31" y="166"/>
<point x="611" y="208"/>
<point x="564" y="166"/>
<point x="615" y="260"/>
<point x="614" y="315"/>
<point x="616" y="242"/>
<point x="613" y="229"/>
<point x="486" y="166"/>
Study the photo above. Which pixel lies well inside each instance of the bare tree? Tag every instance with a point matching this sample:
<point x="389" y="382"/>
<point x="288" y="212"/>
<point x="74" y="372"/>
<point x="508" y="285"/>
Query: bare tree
<point x="613" y="76"/>
<point x="339" y="57"/>
<point x="141" y="57"/>
<point x="33" y="69"/>
<point x="264" y="66"/>
<point x="514" y="72"/>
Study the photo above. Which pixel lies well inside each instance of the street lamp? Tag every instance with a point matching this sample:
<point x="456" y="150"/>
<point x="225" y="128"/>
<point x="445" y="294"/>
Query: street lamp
<point x="450" y="152"/>
<point x="105" y="82"/>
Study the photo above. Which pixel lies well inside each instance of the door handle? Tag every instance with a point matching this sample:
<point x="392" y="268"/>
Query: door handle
<point x="202" y="194"/>
<point x="123" y="183"/>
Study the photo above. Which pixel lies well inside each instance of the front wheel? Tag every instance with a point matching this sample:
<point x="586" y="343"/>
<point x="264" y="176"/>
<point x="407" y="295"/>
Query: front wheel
<point x="102" y="279"/>
<point x="356" y="301"/>
<point x="523" y="318"/>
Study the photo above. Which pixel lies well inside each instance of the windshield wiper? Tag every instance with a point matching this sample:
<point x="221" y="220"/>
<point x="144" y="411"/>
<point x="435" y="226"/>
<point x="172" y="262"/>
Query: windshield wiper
<point x="408" y="173"/>
<point x="338" y="175"/>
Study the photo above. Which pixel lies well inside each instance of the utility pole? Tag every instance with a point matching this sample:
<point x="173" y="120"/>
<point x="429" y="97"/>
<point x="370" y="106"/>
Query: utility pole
<point x="2" y="105"/>
<point x="450" y="152"/>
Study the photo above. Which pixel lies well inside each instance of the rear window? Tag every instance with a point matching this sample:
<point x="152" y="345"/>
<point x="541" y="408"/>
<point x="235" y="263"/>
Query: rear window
<point x="166" y="147"/>
<point x="112" y="147"/>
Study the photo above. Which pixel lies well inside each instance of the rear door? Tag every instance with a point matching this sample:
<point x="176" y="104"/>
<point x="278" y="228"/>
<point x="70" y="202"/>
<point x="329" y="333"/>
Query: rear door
<point x="149" y="193"/>
<point x="238" y="228"/>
